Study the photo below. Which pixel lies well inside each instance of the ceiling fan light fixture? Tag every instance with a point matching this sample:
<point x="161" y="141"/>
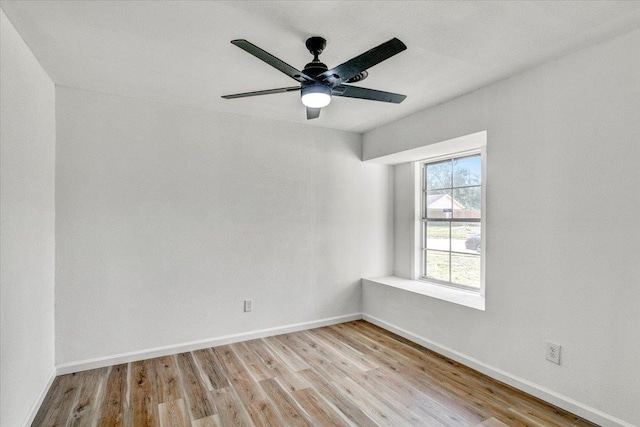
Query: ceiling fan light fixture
<point x="317" y="83"/>
<point x="315" y="95"/>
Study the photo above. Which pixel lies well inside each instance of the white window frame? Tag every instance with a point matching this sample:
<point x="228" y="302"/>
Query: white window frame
<point x="420" y="173"/>
<point x="458" y="147"/>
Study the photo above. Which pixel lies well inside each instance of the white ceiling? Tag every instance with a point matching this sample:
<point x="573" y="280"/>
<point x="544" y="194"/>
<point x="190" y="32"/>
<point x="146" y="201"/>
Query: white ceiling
<point x="179" y="52"/>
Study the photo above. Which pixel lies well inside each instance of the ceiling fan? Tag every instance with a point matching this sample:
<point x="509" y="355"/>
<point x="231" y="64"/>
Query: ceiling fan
<point x="318" y="84"/>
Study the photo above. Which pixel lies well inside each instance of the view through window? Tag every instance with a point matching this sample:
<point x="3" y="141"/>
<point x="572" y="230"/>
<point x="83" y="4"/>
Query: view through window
<point x="451" y="221"/>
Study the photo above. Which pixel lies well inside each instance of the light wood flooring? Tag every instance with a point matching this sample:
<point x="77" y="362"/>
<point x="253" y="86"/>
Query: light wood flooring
<point x="349" y="374"/>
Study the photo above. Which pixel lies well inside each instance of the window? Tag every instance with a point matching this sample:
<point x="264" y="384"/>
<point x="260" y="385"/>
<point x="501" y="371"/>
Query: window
<point x="451" y="204"/>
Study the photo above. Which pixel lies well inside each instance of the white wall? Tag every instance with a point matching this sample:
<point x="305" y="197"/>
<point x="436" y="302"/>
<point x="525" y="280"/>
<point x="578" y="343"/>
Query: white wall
<point x="27" y="220"/>
<point x="563" y="258"/>
<point x="168" y="217"/>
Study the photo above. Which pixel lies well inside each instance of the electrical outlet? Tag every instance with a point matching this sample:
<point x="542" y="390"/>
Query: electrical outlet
<point x="553" y="352"/>
<point x="248" y="305"/>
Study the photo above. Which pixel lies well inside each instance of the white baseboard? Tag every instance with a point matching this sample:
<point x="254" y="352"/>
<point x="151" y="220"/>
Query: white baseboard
<point x="68" y="368"/>
<point x="36" y="405"/>
<point x="533" y="389"/>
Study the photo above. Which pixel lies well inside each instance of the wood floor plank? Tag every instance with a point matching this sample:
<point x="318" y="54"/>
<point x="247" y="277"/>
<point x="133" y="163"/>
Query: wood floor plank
<point x="484" y="397"/>
<point x="260" y="409"/>
<point x="443" y="396"/>
<point x="286" y="354"/>
<point x="319" y="411"/>
<point x="351" y="336"/>
<point x="418" y="397"/>
<point x="248" y="390"/>
<point x="212" y="421"/>
<point x="113" y="405"/>
<point x="73" y="386"/>
<point x="174" y="413"/>
<point x="467" y="394"/>
<point x="311" y="357"/>
<point x="345" y="350"/>
<point x="442" y="369"/>
<point x="168" y="379"/>
<point x="492" y="422"/>
<point x="375" y="408"/>
<point x="198" y="401"/>
<point x="345" y="364"/>
<point x="286" y="376"/>
<point x="353" y="373"/>
<point x="264" y="414"/>
<point x="397" y="399"/>
<point x="451" y="389"/>
<point x="536" y="418"/>
<point x="85" y="407"/>
<point x="289" y="410"/>
<point x="144" y="399"/>
<point x="335" y="340"/>
<point x="127" y="416"/>
<point x="437" y="367"/>
<point x="212" y="369"/>
<point x="230" y="408"/>
<point x="328" y="391"/>
<point x="257" y="368"/>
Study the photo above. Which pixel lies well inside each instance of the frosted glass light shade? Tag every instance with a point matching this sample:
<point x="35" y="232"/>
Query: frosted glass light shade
<point x="316" y="96"/>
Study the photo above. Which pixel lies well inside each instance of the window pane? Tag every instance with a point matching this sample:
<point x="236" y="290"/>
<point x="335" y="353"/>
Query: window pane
<point x="437" y="235"/>
<point x="437" y="265"/>
<point x="467" y="202"/>
<point x="438" y="204"/>
<point x="467" y="171"/>
<point x="465" y="237"/>
<point x="438" y="175"/>
<point x="465" y="270"/>
<point x="451" y="227"/>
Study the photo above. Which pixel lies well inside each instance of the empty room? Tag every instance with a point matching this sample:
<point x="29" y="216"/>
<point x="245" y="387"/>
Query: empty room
<point x="319" y="213"/>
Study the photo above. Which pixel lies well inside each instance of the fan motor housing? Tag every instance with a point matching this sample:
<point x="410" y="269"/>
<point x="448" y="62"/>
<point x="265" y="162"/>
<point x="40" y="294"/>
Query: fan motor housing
<point x="314" y="68"/>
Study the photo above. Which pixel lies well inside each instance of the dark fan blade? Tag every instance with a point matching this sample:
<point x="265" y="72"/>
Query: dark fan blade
<point x="363" y="62"/>
<point x="272" y="60"/>
<point x="364" y="93"/>
<point x="262" y="92"/>
<point x="313" y="113"/>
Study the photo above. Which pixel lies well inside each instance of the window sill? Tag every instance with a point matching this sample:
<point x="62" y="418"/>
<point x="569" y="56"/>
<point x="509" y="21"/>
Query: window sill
<point x="444" y="293"/>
